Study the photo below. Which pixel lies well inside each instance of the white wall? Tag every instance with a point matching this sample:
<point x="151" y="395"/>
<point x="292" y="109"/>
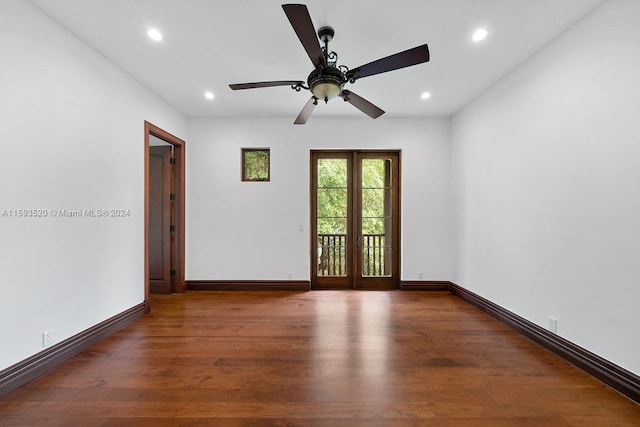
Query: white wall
<point x="240" y="230"/>
<point x="72" y="129"/>
<point x="546" y="169"/>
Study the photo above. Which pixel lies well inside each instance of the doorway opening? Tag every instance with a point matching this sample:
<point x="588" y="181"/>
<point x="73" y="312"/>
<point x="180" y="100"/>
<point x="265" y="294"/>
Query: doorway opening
<point x="355" y="219"/>
<point x="164" y="206"/>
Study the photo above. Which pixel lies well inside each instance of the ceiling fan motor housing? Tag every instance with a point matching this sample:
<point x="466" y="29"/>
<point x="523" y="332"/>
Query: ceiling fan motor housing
<point x="326" y="83"/>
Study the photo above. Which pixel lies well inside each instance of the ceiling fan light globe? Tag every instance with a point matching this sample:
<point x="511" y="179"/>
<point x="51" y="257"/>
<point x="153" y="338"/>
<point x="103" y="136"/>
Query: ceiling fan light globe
<point x="326" y="90"/>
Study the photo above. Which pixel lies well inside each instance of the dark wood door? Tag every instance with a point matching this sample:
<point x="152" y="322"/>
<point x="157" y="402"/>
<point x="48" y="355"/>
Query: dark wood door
<point x="160" y="219"/>
<point x="355" y="208"/>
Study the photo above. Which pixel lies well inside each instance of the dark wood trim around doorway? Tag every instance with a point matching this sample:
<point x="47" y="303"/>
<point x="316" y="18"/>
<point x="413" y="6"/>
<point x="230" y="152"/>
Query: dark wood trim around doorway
<point x="179" y="222"/>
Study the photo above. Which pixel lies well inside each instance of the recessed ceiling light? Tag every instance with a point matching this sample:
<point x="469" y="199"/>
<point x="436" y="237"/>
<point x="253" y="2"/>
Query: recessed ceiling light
<point x="209" y="95"/>
<point x="425" y="95"/>
<point x="479" y="35"/>
<point x="154" y="34"/>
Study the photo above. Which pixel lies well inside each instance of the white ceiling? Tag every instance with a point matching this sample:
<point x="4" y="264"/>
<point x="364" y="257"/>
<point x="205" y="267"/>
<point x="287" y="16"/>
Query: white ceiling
<point x="210" y="43"/>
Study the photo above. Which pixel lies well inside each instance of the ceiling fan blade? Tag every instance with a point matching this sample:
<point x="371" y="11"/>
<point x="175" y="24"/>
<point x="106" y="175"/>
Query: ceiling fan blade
<point x="300" y="19"/>
<point x="306" y="111"/>
<point x="410" y="57"/>
<point x="265" y="84"/>
<point x="361" y="104"/>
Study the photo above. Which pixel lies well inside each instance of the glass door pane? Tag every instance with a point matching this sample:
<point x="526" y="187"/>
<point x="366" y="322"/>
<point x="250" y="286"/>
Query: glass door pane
<point x="375" y="237"/>
<point x="332" y="216"/>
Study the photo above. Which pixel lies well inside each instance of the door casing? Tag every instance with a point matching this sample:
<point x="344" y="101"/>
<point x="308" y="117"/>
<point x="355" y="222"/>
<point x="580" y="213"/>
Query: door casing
<point x="178" y="246"/>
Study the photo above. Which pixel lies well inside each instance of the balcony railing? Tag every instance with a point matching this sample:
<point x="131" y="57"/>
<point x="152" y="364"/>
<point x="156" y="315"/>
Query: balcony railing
<point x="332" y="249"/>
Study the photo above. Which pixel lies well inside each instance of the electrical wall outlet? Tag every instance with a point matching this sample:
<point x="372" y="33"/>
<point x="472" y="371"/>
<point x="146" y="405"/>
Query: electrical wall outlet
<point x="47" y="338"/>
<point x="420" y="276"/>
<point x="553" y="324"/>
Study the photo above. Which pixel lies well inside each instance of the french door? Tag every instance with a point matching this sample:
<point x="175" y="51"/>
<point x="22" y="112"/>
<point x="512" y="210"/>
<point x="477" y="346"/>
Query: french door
<point x="355" y="219"/>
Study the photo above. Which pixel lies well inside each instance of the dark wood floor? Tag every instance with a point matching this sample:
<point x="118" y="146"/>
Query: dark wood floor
<point x="321" y="358"/>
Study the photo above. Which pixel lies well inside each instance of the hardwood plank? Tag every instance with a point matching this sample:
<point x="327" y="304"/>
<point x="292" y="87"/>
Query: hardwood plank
<point x="320" y="358"/>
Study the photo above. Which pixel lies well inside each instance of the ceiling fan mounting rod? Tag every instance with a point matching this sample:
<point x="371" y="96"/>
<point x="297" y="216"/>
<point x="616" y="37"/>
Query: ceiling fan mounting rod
<point x="326" y="52"/>
<point x="325" y="34"/>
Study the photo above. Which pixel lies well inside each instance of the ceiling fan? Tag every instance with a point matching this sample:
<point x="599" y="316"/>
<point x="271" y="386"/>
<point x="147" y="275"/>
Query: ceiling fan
<point x="327" y="79"/>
